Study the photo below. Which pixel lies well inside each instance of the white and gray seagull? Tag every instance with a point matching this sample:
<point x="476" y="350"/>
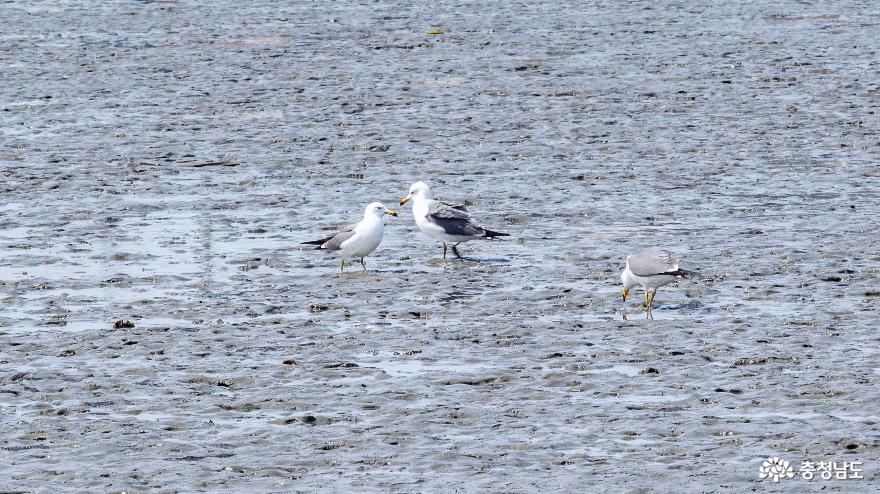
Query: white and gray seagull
<point x="448" y="223"/>
<point x="360" y="239"/>
<point x="650" y="268"/>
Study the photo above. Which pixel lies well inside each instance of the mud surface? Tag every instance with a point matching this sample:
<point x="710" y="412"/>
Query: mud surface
<point x="161" y="161"/>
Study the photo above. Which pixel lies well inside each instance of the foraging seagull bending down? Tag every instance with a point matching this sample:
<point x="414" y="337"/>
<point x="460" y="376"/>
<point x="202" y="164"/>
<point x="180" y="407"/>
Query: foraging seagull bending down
<point x="445" y="222"/>
<point x="651" y="269"/>
<point x="358" y="240"/>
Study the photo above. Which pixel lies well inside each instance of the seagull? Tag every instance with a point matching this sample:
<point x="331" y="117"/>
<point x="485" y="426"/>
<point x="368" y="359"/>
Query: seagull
<point x="650" y="268"/>
<point x="360" y="239"/>
<point x="446" y="222"/>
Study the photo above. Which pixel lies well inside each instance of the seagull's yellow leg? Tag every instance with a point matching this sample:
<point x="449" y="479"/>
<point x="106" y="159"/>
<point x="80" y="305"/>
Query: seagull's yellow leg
<point x="647" y="305"/>
<point x="363" y="264"/>
<point x="444" y="250"/>
<point x="653" y="295"/>
<point x="342" y="266"/>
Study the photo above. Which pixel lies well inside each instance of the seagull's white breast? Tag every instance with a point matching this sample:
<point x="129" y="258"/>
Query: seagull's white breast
<point x="367" y="236"/>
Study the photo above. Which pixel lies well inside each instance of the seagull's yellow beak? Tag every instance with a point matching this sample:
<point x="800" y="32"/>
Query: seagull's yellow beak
<point x="625" y="294"/>
<point x="391" y="212"/>
<point x="405" y="200"/>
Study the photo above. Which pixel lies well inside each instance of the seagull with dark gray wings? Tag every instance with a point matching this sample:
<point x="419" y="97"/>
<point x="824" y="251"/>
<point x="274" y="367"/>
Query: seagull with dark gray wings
<point x="448" y="223"/>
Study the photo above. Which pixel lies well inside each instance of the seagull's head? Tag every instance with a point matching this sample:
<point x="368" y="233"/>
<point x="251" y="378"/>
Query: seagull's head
<point x="628" y="281"/>
<point x="418" y="189"/>
<point x="377" y="210"/>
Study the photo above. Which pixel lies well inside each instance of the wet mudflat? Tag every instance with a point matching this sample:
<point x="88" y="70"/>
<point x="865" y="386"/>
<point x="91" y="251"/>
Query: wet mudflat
<point x="161" y="161"/>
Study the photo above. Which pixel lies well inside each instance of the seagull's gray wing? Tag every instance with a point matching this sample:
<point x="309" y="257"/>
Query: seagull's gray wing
<point x="455" y="220"/>
<point x="460" y="207"/>
<point x="651" y="262"/>
<point x="440" y="209"/>
<point x="334" y="242"/>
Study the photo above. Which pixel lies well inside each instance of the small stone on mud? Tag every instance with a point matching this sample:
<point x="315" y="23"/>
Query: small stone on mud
<point x="66" y="353"/>
<point x="731" y="391"/>
<point x="123" y="323"/>
<point x="338" y="365"/>
<point x="749" y="361"/>
<point x="852" y="444"/>
<point x="289" y="361"/>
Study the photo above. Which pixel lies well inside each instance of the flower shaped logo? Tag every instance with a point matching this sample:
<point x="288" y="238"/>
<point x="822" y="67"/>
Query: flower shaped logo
<point x="774" y="469"/>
